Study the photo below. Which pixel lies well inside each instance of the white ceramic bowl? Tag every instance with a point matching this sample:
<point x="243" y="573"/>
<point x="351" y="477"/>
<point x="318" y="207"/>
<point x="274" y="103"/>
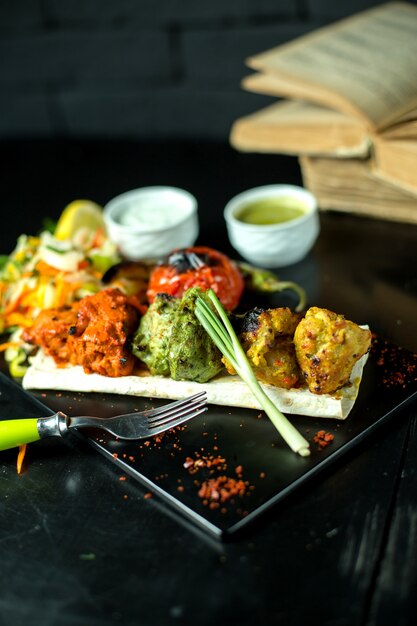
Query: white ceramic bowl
<point x="273" y="245"/>
<point x="149" y="222"/>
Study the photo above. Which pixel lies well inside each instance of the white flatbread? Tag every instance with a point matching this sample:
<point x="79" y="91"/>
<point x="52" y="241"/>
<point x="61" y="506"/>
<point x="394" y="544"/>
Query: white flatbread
<point x="224" y="389"/>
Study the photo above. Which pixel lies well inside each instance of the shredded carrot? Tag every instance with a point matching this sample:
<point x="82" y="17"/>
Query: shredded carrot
<point x="60" y="293"/>
<point x="20" y="457"/>
<point x="12" y="305"/>
<point x="30" y="299"/>
<point x="8" y="344"/>
<point x="99" y="238"/>
<point x="95" y="273"/>
<point x="46" y="270"/>
<point x="18" y="319"/>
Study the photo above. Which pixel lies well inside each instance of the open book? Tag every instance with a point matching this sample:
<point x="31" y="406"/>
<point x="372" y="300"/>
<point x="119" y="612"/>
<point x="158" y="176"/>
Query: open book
<point x="351" y="185"/>
<point x="353" y="91"/>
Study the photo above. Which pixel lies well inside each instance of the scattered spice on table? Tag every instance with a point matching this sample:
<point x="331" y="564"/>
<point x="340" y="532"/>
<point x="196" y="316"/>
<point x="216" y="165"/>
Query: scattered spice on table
<point x="399" y="365"/>
<point x="203" y="460"/>
<point x="216" y="488"/>
<point x="216" y="491"/>
<point x="323" y="438"/>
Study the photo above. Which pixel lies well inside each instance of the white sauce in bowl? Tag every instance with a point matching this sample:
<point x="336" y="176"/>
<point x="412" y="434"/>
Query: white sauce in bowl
<point x="148" y="213"/>
<point x="150" y="222"/>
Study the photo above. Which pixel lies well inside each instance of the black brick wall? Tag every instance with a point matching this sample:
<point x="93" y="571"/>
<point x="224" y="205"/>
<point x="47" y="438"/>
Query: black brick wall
<point x="140" y="69"/>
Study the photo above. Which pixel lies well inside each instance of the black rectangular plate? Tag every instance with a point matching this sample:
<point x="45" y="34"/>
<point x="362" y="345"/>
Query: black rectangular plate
<point x="239" y="446"/>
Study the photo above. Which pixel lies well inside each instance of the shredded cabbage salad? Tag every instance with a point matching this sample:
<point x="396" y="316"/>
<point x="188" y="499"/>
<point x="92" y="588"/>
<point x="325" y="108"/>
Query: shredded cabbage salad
<point x="43" y="272"/>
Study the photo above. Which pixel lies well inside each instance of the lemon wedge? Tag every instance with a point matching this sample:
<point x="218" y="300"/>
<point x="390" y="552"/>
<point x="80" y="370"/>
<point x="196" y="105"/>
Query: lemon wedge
<point x="79" y="214"/>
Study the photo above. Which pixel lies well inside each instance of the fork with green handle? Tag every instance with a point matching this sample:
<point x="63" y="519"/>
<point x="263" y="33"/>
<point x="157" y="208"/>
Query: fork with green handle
<point x="139" y="425"/>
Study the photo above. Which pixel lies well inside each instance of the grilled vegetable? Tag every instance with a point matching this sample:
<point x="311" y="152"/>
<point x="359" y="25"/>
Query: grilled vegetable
<point x="265" y="281"/>
<point x="198" y="267"/>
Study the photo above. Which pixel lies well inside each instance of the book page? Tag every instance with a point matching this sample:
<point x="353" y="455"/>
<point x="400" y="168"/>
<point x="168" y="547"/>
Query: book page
<point x="292" y="127"/>
<point x="369" y="60"/>
<point x="286" y="87"/>
<point x="404" y="128"/>
<point x="350" y="185"/>
<point x="396" y="161"/>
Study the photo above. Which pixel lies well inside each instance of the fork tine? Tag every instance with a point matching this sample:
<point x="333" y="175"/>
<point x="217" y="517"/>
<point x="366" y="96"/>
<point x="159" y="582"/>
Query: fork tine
<point x="176" y="413"/>
<point x="180" y="420"/>
<point x="167" y="409"/>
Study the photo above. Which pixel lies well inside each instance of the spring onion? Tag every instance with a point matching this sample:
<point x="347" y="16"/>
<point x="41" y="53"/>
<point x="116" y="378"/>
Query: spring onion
<point x="223" y="335"/>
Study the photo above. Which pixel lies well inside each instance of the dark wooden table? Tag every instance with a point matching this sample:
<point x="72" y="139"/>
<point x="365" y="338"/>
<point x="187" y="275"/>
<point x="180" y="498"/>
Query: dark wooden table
<point x="340" y="552"/>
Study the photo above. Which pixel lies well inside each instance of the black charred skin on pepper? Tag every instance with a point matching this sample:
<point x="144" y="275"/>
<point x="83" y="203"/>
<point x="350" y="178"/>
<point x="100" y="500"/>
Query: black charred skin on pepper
<point x="250" y="322"/>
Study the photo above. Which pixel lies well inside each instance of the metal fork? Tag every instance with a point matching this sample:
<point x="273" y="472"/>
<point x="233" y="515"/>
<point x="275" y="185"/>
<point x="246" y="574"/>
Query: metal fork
<point x="139" y="425"/>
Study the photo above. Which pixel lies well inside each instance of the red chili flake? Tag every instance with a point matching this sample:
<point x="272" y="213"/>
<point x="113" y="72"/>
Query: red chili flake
<point x="148" y="495"/>
<point x="115" y="455"/>
<point x="203" y="461"/>
<point x="399" y="366"/>
<point x="222" y="488"/>
<point x="323" y="438"/>
<point x="122" y="477"/>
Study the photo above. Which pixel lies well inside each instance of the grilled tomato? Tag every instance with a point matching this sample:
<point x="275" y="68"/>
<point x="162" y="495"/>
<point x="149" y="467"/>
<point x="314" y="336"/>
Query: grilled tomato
<point x="198" y="266"/>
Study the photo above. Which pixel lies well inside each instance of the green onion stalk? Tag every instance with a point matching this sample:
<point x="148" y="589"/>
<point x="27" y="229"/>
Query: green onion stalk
<point x="223" y="335"/>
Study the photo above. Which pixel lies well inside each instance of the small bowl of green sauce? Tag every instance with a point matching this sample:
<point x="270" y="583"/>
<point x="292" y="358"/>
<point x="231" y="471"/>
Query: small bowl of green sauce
<point x="274" y="225"/>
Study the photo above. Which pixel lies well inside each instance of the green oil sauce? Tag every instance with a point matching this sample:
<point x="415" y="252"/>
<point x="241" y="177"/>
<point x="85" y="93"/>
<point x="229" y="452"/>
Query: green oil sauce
<point x="272" y="211"/>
